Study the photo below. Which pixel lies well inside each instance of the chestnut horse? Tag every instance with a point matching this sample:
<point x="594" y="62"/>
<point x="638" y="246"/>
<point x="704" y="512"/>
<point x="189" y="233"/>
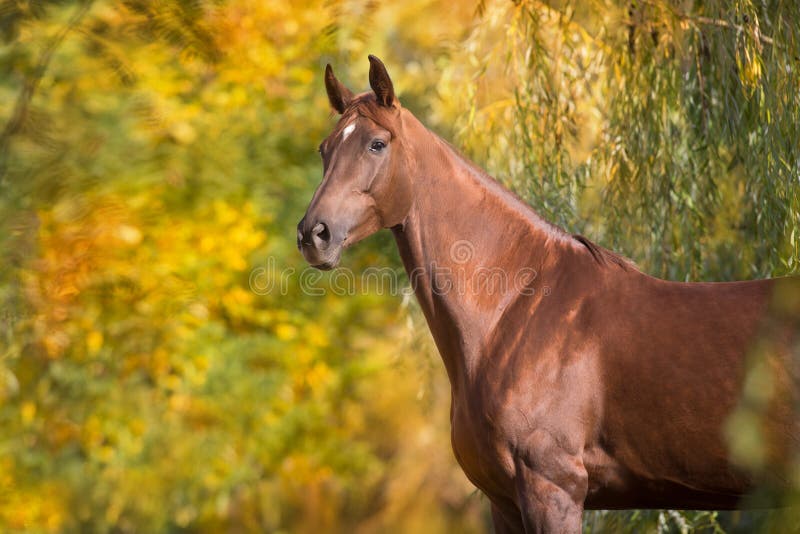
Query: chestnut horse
<point x="577" y="380"/>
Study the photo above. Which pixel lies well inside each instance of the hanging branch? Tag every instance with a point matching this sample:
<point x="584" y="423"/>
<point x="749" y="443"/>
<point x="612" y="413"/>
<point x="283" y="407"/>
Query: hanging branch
<point x="20" y="113"/>
<point x="739" y="28"/>
<point x="720" y="23"/>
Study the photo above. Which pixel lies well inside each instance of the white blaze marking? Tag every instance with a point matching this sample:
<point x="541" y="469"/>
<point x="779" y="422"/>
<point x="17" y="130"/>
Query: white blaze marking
<point x="347" y="131"/>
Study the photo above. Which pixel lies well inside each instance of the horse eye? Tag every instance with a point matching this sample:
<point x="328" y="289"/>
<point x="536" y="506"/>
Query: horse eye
<point x="377" y="146"/>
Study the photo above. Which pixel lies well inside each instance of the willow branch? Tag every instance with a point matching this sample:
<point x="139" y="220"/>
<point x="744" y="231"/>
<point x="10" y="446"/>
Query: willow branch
<point x="20" y="112"/>
<point x="739" y="28"/>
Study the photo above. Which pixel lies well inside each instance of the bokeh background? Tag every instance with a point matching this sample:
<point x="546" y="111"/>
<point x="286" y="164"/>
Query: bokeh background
<point x="155" y="155"/>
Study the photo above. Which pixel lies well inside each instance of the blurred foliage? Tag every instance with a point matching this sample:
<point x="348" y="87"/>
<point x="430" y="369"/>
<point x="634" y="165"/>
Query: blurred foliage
<point x="153" y="156"/>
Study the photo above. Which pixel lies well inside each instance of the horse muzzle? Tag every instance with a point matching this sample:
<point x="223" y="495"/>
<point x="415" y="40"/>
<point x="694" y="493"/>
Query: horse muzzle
<point x="318" y="244"/>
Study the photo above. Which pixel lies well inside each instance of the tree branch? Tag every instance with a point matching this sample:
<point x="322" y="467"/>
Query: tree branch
<point x="20" y="112"/>
<point x="725" y="24"/>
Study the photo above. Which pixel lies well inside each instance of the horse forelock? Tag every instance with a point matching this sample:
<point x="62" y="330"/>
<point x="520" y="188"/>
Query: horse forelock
<point x="366" y="105"/>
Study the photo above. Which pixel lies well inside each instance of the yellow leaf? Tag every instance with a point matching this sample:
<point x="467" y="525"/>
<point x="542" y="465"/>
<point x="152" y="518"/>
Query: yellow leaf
<point x="285" y="331"/>
<point x="94" y="341"/>
<point x="28" y="412"/>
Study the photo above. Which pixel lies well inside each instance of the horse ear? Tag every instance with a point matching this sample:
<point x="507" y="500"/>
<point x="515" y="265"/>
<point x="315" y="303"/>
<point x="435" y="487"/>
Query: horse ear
<point x="381" y="83"/>
<point x="338" y="95"/>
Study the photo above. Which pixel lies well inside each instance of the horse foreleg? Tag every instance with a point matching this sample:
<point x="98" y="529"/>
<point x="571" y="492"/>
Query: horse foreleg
<point x="548" y="508"/>
<point x="551" y="487"/>
<point x="507" y="519"/>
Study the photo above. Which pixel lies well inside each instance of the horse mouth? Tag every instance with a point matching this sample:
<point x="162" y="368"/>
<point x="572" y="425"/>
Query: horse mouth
<point x="327" y="265"/>
<point x="322" y="261"/>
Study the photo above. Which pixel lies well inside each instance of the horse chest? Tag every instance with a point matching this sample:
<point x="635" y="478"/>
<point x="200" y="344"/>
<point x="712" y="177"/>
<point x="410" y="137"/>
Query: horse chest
<point x="480" y="448"/>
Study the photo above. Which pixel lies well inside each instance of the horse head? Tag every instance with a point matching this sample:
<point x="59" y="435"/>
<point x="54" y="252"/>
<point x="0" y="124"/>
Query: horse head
<point x="366" y="180"/>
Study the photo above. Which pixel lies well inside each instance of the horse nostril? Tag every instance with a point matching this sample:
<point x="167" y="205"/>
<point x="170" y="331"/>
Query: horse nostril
<point x="320" y="232"/>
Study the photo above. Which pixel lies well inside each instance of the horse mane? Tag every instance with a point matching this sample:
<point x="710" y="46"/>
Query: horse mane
<point x="603" y="256"/>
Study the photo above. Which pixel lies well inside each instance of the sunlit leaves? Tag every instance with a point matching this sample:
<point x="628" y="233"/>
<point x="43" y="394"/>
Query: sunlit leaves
<point x="167" y="151"/>
<point x="630" y="121"/>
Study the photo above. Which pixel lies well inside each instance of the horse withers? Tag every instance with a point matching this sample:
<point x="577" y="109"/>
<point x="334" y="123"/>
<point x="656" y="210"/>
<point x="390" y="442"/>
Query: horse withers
<point x="578" y="382"/>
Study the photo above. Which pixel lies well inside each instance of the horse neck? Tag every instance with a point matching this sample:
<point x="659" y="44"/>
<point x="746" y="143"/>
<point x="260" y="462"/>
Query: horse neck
<point x="462" y="230"/>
